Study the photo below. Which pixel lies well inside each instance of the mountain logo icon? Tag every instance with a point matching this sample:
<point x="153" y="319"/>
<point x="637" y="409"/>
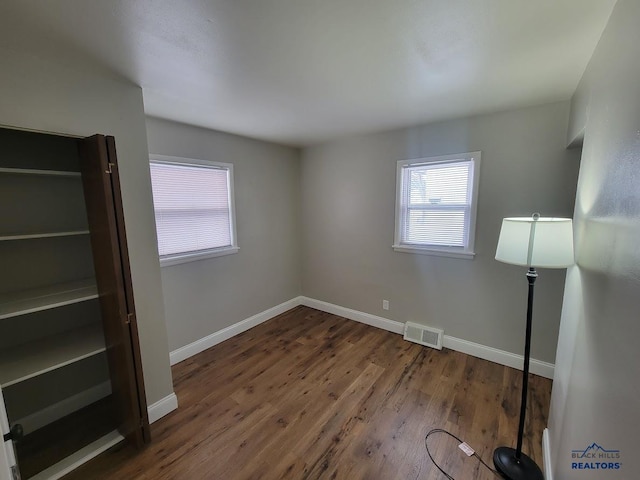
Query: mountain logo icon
<point x="592" y="449"/>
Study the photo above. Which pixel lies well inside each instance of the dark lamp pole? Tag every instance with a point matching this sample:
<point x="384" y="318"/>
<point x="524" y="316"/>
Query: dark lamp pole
<point x="548" y="243"/>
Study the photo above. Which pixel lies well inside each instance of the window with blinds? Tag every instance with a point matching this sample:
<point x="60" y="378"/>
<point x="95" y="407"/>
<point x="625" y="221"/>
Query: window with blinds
<point x="193" y="205"/>
<point x="436" y="204"/>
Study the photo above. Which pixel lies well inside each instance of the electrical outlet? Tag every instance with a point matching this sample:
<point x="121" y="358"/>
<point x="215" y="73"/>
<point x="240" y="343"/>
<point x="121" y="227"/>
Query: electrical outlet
<point x="385" y="304"/>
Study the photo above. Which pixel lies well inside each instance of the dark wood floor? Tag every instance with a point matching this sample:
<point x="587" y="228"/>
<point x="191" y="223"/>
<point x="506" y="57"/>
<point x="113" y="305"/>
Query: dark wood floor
<point x="311" y="395"/>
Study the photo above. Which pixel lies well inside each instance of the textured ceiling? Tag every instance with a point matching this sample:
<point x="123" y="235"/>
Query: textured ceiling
<point x="304" y="71"/>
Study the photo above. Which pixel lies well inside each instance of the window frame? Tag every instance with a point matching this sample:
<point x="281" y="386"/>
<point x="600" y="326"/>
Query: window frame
<point x="467" y="252"/>
<point x="178" y="258"/>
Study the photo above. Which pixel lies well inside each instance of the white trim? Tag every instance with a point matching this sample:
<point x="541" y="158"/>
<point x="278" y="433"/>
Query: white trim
<point x="162" y="407"/>
<point x="80" y="457"/>
<point x="179" y="258"/>
<point x="373" y="320"/>
<point x="69" y="405"/>
<point x="467" y="252"/>
<point x="432" y="251"/>
<point x="215" y="338"/>
<point x="64" y="407"/>
<point x="192" y="162"/>
<point x="546" y="455"/>
<point x="175" y="259"/>
<point x="7" y="452"/>
<point x="502" y="357"/>
<point x="5" y="468"/>
<point x="544" y="369"/>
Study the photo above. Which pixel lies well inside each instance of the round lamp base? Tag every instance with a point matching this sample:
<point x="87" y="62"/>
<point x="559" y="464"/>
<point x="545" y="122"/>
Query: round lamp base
<point x="512" y="468"/>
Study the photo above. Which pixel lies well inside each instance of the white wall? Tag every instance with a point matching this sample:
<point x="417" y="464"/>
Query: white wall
<point x="46" y="95"/>
<point x="348" y="202"/>
<point x="597" y="383"/>
<point x="205" y="296"/>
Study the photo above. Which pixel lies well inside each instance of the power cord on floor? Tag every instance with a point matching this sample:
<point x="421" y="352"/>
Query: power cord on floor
<point x="440" y="430"/>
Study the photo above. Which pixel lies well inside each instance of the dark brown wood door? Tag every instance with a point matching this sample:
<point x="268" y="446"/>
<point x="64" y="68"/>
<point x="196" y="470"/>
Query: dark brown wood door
<point x="99" y="166"/>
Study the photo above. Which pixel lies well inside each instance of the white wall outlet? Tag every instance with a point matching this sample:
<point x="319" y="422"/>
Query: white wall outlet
<point x="385" y="304"/>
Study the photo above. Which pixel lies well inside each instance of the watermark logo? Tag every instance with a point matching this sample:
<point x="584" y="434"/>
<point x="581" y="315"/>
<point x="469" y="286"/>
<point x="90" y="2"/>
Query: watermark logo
<point x="595" y="457"/>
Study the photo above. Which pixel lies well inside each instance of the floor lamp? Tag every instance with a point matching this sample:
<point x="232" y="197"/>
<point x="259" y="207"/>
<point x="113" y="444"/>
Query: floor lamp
<point x="531" y="242"/>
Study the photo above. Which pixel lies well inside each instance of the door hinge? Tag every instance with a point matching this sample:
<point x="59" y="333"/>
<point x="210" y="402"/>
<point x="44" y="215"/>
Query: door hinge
<point x="15" y="473"/>
<point x="110" y="167"/>
<point x="129" y="318"/>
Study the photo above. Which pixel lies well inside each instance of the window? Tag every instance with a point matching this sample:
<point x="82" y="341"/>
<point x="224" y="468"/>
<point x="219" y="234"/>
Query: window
<point x="436" y="202"/>
<point x="193" y="203"/>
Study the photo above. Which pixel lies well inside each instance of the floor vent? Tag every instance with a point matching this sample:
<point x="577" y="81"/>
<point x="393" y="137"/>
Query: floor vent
<point x="427" y="336"/>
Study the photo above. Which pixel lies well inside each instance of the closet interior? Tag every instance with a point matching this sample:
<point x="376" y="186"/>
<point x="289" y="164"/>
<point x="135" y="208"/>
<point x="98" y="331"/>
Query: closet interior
<point x="56" y="375"/>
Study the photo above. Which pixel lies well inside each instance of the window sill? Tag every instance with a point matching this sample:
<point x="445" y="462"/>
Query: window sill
<point x="193" y="257"/>
<point x="434" y="252"/>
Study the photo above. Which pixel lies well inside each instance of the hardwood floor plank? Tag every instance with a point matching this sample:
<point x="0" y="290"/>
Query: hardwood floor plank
<point x="310" y="395"/>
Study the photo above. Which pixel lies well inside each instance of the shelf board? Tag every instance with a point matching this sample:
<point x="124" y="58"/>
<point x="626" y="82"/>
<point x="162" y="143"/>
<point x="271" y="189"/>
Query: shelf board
<point x="31" y="236"/>
<point x="29" y="171"/>
<point x="23" y="362"/>
<point x="80" y="457"/>
<point x="36" y="300"/>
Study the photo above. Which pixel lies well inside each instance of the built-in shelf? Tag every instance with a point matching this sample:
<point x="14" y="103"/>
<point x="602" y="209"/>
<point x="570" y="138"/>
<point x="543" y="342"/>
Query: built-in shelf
<point x="36" y="300"/>
<point x="30" y="236"/>
<point x="23" y="362"/>
<point x="29" y="171"/>
<point x="80" y="457"/>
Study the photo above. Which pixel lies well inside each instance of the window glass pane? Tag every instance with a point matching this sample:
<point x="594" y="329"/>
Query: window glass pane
<point x="448" y="184"/>
<point x="192" y="207"/>
<point x="436" y="227"/>
<point x="437" y="203"/>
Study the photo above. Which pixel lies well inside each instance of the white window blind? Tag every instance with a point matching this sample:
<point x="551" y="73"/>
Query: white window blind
<point x="192" y="208"/>
<point x="436" y="203"/>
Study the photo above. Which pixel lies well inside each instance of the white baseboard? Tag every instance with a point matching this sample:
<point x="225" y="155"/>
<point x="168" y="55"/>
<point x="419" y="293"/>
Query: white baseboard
<point x="215" y="338"/>
<point x="64" y="407"/>
<point x="69" y="405"/>
<point x="162" y="407"/>
<point x="373" y="320"/>
<point x="546" y="455"/>
<point x="544" y="369"/>
<point x="502" y="357"/>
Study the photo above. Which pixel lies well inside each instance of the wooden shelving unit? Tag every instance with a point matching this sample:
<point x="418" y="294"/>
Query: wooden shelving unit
<point x="23" y="362"/>
<point x="53" y="329"/>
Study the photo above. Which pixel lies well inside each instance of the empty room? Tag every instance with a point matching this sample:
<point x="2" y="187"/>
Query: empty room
<point x="340" y="239"/>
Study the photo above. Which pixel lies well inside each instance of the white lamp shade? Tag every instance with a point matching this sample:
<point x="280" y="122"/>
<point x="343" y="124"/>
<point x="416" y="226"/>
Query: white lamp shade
<point x="543" y="243"/>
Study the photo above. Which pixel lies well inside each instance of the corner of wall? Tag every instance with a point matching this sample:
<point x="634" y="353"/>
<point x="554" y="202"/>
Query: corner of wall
<point x="578" y="114"/>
